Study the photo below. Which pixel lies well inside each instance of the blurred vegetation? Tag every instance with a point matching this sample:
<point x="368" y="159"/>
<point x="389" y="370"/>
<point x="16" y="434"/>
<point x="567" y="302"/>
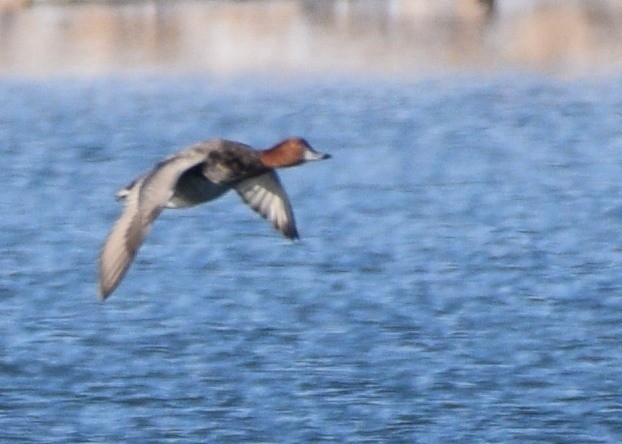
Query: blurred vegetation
<point x="405" y="37"/>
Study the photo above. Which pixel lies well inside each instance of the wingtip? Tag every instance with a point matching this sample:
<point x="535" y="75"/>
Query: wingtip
<point x="102" y="294"/>
<point x="104" y="288"/>
<point x="291" y="233"/>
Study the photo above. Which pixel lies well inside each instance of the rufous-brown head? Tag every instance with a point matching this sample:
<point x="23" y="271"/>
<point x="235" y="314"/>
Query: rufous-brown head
<point x="290" y="152"/>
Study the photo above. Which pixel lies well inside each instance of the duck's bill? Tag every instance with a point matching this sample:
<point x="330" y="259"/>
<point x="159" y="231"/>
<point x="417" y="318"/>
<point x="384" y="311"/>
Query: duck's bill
<point x="315" y="155"/>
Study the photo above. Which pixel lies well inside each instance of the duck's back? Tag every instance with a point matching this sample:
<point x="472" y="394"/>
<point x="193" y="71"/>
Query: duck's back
<point x="225" y="164"/>
<point x="228" y="163"/>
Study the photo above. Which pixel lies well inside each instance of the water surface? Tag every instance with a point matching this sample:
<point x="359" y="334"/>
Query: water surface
<point x="458" y="277"/>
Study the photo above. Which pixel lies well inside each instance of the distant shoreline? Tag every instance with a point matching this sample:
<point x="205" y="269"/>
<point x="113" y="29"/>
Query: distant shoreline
<point x="408" y="38"/>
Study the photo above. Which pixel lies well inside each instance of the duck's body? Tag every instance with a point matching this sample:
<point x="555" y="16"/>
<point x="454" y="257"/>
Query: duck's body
<point x="196" y="175"/>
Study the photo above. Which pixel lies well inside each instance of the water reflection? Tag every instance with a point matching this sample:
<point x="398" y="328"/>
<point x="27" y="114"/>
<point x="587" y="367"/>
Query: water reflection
<point x="406" y="37"/>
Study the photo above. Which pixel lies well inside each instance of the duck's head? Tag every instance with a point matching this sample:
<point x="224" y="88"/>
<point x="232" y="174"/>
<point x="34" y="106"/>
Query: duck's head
<point x="290" y="152"/>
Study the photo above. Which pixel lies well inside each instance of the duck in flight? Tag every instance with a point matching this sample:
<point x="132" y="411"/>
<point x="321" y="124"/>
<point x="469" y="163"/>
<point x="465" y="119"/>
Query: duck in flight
<point x="195" y="175"/>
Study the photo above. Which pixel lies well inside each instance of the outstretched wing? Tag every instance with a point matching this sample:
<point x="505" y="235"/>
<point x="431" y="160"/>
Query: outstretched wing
<point x="144" y="201"/>
<point x="121" y="244"/>
<point x="267" y="197"/>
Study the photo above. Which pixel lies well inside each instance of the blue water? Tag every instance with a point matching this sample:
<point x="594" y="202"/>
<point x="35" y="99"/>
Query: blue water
<point x="459" y="277"/>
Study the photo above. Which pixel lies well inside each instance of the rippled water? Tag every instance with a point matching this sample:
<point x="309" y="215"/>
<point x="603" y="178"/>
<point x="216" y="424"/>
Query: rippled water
<point x="458" y="280"/>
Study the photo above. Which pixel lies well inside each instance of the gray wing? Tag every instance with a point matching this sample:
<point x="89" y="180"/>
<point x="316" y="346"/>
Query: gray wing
<point x="267" y="197"/>
<point x="144" y="201"/>
<point x="121" y="244"/>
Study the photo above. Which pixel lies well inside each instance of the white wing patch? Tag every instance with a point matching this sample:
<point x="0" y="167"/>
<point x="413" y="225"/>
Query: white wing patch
<point x="267" y="197"/>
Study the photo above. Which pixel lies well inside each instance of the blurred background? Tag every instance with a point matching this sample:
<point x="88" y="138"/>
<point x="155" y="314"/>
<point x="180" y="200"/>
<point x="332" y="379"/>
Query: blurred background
<point x="459" y="274"/>
<point x="393" y="37"/>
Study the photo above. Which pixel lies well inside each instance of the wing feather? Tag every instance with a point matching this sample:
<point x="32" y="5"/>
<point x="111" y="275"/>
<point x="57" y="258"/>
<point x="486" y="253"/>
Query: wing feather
<point x="144" y="201"/>
<point x="121" y="245"/>
<point x="267" y="197"/>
